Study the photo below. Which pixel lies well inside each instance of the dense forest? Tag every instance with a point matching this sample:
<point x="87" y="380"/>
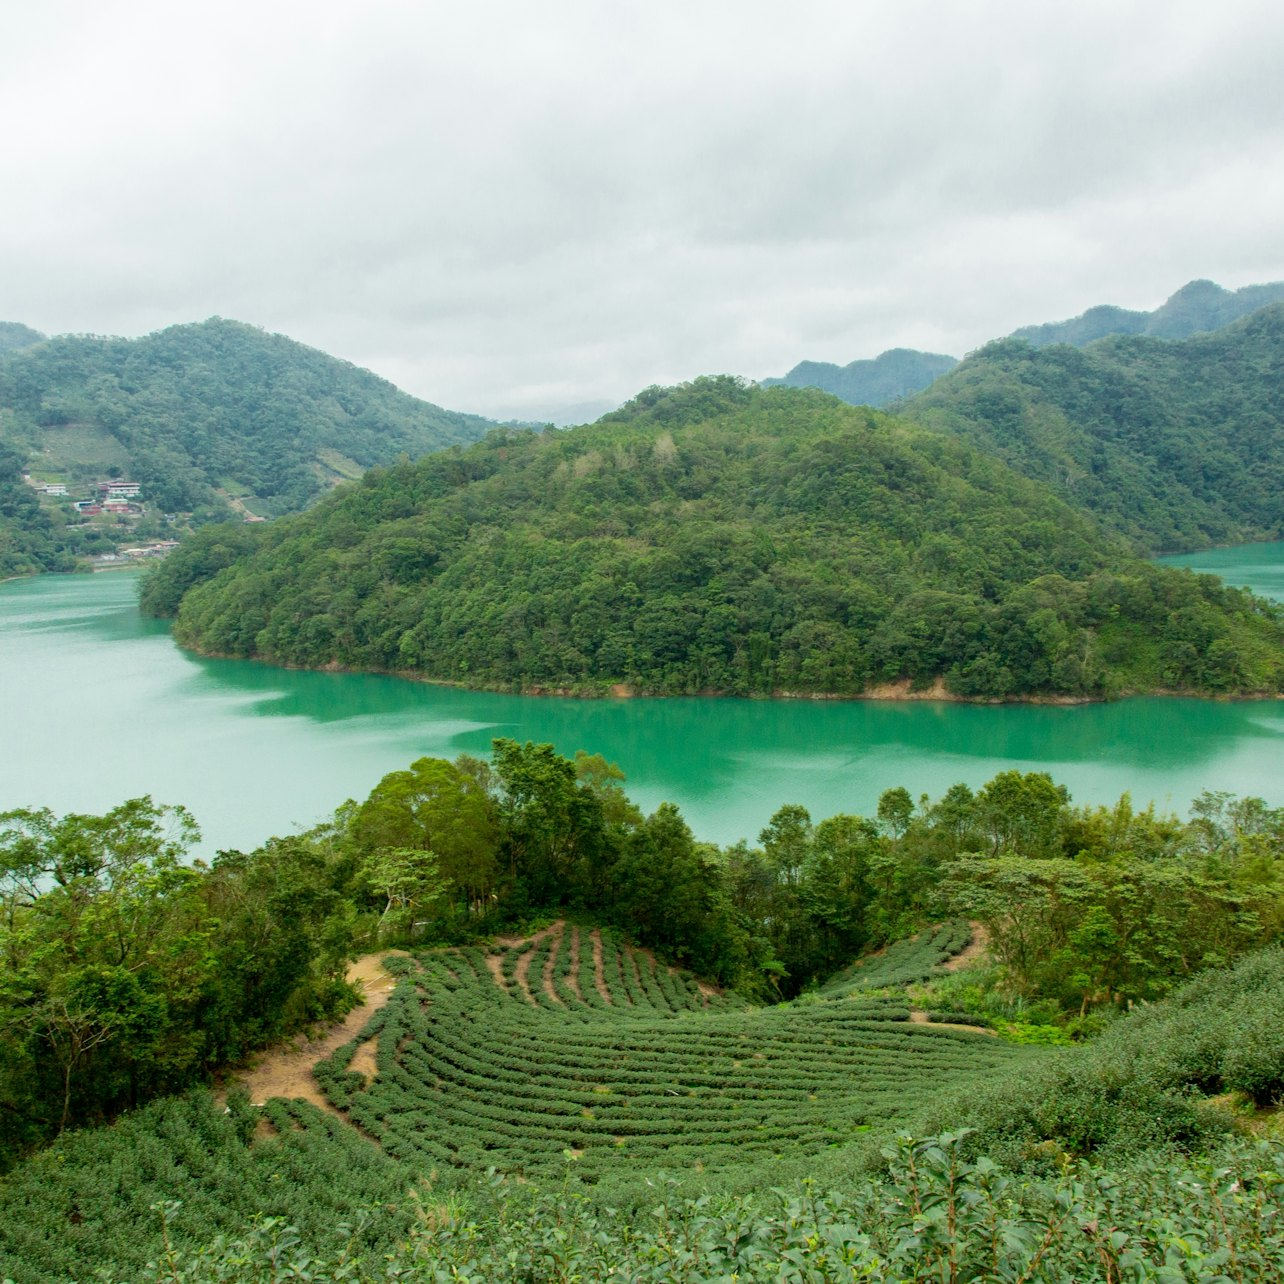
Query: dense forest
<point x="1175" y="444"/>
<point x="717" y="538"/>
<point x="215" y="407"/>
<point x="31" y="538"/>
<point x="580" y="1066"/>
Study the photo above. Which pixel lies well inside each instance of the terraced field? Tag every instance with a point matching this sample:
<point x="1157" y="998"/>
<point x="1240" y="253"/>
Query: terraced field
<point x="572" y="1045"/>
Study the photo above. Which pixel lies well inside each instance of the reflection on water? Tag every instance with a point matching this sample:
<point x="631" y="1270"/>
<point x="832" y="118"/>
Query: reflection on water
<point x="100" y="705"/>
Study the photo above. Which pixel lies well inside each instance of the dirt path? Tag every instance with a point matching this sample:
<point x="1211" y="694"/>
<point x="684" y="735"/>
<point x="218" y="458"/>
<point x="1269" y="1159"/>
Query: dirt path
<point x="286" y="1071"/>
<point x="919" y="1017"/>
<point x="977" y="946"/>
<point x="599" y="972"/>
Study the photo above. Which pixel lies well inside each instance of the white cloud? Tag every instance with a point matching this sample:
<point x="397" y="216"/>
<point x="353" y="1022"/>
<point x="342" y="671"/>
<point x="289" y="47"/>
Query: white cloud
<point x="509" y="207"/>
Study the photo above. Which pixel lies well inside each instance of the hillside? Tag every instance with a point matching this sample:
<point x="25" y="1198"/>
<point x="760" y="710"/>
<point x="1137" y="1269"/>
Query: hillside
<point x="1199" y="306"/>
<point x="1175" y="444"/>
<point x="897" y="373"/>
<point x="201" y="414"/>
<point x="15" y="335"/>
<point x="717" y="538"/>
<point x="502" y="1135"/>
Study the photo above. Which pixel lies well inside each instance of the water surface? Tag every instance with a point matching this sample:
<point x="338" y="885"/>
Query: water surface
<point x="98" y="705"/>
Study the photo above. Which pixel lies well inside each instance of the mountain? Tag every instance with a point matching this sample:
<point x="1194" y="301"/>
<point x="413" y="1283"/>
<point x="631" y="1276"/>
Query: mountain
<point x="15" y="335"/>
<point x="199" y="413"/>
<point x="1176" y="444"/>
<point x="1197" y="307"/>
<point x="716" y="538"/>
<point x="897" y="373"/>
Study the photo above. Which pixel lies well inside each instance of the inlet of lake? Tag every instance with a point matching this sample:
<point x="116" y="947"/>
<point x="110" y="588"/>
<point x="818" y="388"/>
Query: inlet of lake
<point x="99" y="705"/>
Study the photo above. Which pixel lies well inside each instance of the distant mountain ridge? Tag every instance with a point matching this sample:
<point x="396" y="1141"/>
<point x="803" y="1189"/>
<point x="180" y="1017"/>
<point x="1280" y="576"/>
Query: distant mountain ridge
<point x="896" y="373"/>
<point x="1199" y="306"/>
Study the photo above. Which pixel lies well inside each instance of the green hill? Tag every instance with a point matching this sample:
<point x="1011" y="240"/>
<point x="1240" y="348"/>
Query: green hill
<point x="717" y="538"/>
<point x="897" y="373"/>
<point x="198" y="412"/>
<point x="15" y="335"/>
<point x="1175" y="444"/>
<point x="1197" y="307"/>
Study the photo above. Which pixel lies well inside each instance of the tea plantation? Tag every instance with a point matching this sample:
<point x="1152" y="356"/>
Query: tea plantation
<point x="515" y="1061"/>
<point x="566" y="1108"/>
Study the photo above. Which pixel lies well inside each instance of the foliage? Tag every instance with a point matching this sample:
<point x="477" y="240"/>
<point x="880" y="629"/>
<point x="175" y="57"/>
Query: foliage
<point x="715" y="537"/>
<point x="128" y="973"/>
<point x="936" y="1216"/>
<point x="32" y="538"/>
<point x="1174" y="444"/>
<point x="219" y="404"/>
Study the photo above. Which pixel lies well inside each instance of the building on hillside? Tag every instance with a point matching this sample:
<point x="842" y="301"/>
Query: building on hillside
<point x="54" y="488"/>
<point x="115" y="490"/>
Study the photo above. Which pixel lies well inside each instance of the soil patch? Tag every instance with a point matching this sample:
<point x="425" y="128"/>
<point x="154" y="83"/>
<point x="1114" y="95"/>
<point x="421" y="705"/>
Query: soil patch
<point x="286" y="1070"/>
<point x="972" y="951"/>
<point x="364" y="1058"/>
<point x="919" y="1017"/>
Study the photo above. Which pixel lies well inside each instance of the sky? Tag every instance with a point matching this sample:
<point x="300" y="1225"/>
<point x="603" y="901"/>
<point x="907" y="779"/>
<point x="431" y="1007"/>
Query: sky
<point x="533" y="211"/>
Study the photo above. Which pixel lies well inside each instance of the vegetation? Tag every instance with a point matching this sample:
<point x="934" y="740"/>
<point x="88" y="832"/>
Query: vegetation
<point x="1174" y="444"/>
<point x="197" y="411"/>
<point x="128" y="973"/>
<point x="31" y="538"/>
<point x="897" y="373"/>
<point x="514" y="1108"/>
<point x="719" y="538"/>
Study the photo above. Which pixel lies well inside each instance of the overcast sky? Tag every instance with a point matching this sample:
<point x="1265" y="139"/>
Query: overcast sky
<point x="514" y="208"/>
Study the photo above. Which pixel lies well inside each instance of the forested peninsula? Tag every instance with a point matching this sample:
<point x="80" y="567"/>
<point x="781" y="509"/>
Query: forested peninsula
<point x="718" y="538"/>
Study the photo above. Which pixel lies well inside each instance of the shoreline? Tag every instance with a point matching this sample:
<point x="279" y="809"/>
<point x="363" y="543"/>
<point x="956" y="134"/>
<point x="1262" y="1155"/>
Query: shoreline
<point x="901" y="691"/>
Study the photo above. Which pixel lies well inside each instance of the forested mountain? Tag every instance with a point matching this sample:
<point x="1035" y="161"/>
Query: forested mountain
<point x="31" y="539"/>
<point x="1177" y="445"/>
<point x="723" y="538"/>
<point x="216" y="405"/>
<point x="15" y="335"/>
<point x="897" y="373"/>
<point x="1197" y="307"/>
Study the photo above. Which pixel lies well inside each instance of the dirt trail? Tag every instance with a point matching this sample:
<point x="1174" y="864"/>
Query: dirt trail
<point x="550" y="964"/>
<point x="919" y="1017"/>
<point x="286" y="1071"/>
<point x="599" y="972"/>
<point x="977" y="946"/>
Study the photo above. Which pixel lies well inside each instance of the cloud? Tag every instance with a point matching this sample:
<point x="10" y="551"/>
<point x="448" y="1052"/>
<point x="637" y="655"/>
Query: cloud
<point x="511" y="208"/>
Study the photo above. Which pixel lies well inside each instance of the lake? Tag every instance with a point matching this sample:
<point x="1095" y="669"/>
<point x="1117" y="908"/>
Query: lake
<point x="99" y="705"/>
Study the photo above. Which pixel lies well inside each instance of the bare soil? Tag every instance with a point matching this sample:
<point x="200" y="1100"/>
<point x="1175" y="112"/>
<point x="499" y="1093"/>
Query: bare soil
<point x="977" y="946"/>
<point x="919" y="1017"/>
<point x="286" y="1070"/>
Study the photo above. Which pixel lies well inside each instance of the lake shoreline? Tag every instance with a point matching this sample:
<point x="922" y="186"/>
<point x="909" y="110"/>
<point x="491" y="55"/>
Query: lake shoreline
<point x="900" y="691"/>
